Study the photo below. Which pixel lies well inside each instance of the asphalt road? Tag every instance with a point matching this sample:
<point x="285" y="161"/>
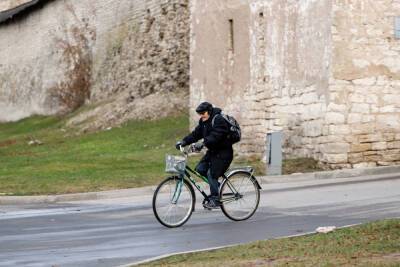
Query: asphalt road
<point x="123" y="230"/>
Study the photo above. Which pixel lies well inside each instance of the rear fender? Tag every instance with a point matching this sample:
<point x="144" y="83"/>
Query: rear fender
<point x="247" y="170"/>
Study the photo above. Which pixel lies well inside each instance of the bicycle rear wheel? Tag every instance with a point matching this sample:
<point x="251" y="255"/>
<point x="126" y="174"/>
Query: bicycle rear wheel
<point x="240" y="196"/>
<point x="173" y="201"/>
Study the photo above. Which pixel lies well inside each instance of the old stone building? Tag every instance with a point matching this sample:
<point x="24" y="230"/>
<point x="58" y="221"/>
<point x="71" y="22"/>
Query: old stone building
<point x="126" y="59"/>
<point x="326" y="73"/>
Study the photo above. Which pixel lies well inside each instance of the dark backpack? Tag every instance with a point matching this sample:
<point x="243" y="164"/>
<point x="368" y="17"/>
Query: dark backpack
<point x="235" y="133"/>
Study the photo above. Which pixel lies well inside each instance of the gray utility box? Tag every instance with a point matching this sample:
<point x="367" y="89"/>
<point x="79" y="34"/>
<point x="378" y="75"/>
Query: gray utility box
<point x="274" y="153"/>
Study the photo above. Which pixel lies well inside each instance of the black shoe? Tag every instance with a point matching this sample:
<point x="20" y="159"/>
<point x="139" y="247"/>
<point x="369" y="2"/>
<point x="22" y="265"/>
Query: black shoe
<point x="212" y="204"/>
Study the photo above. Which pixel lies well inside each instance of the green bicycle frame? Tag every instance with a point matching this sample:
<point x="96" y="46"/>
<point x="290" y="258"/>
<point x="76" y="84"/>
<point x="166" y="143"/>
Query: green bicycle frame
<point x="188" y="171"/>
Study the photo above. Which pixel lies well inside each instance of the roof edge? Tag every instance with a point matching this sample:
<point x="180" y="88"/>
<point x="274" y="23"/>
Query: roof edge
<point x="20" y="11"/>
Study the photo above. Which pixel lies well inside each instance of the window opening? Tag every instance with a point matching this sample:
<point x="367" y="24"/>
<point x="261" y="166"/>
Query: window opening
<point x="231" y="36"/>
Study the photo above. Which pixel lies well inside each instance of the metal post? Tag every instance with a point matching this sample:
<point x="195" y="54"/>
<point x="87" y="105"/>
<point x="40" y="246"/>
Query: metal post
<point x="274" y="153"/>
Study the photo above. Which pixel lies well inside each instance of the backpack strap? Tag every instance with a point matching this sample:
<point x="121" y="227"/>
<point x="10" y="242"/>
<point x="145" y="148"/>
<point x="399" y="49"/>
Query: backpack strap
<point x="212" y="122"/>
<point x="222" y="115"/>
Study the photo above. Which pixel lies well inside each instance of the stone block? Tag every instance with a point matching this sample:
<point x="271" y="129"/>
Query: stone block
<point x="390" y="99"/>
<point x="329" y="139"/>
<point x="371" y="99"/>
<point x="313" y="111"/>
<point x="357" y="98"/>
<point x="354" y="118"/>
<point x="393" y="145"/>
<point x="386" y="163"/>
<point x="309" y="98"/>
<point x="369" y="138"/>
<point x="335" y="148"/>
<point x="360" y="108"/>
<point x="388" y="121"/>
<point x="387" y="109"/>
<point x="337" y="107"/>
<point x="390" y="155"/>
<point x="374" y="109"/>
<point x="389" y="136"/>
<point x="312" y="128"/>
<point x="364" y="165"/>
<point x="335" y="158"/>
<point x="368" y="118"/>
<point x="325" y="130"/>
<point x="366" y="81"/>
<point x="381" y="80"/>
<point x="374" y="158"/>
<point x="360" y="147"/>
<point x="363" y="128"/>
<point x="339" y="166"/>
<point x="355" y="157"/>
<point x="334" y="118"/>
<point x="379" y="146"/>
<point x="342" y="129"/>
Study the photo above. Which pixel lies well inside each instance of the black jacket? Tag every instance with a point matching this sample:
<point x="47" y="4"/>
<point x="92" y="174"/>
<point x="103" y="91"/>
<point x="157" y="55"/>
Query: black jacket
<point x="215" y="138"/>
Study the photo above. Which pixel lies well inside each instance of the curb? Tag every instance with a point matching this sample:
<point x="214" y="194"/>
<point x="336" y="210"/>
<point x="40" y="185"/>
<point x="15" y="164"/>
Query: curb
<point x="228" y="246"/>
<point x="297" y="177"/>
<point x="49" y="199"/>
<point x="336" y="174"/>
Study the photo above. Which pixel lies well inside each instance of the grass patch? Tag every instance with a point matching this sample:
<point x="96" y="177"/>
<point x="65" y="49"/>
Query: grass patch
<point x="300" y="165"/>
<point x="372" y="244"/>
<point x="123" y="157"/>
<point x="60" y="160"/>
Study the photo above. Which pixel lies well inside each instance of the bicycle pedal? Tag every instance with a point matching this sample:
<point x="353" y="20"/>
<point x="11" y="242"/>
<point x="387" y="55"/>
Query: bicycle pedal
<point x="207" y="208"/>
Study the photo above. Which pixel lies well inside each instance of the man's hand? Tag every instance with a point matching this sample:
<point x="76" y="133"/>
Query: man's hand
<point x="180" y="144"/>
<point x="198" y="146"/>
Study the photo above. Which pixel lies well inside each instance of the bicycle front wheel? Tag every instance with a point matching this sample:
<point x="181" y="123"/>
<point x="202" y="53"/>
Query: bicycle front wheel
<point x="240" y="196"/>
<point x="173" y="201"/>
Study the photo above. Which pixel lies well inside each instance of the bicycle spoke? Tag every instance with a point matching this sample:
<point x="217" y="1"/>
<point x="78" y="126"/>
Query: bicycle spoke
<point x="173" y="208"/>
<point x="245" y="202"/>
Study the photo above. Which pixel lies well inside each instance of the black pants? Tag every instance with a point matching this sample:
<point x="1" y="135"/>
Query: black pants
<point x="213" y="167"/>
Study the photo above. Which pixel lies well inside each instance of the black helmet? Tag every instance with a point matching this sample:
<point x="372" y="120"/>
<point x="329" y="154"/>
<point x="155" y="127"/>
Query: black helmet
<point x="205" y="106"/>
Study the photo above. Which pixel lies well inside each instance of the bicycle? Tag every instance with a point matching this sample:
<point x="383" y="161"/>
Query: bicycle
<point x="174" y="199"/>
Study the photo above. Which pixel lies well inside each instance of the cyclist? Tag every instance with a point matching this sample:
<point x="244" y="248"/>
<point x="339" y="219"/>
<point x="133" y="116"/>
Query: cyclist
<point x="214" y="130"/>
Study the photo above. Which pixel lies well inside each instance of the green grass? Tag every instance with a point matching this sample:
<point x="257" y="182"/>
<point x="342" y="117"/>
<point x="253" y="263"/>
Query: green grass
<point x="69" y="162"/>
<point x="373" y="244"/>
<point x="123" y="157"/>
<point x="302" y="165"/>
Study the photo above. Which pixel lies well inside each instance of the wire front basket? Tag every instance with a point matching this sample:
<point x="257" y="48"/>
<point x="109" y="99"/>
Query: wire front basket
<point x="175" y="164"/>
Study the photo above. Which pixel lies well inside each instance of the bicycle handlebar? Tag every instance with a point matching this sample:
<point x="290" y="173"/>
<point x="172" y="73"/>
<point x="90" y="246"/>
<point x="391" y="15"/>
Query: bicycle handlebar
<point x="190" y="149"/>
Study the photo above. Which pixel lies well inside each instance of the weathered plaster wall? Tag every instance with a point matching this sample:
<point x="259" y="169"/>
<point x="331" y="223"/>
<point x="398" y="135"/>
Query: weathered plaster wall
<point x="220" y="67"/>
<point x="290" y="58"/>
<point x="38" y="53"/>
<point x="277" y="76"/>
<point x="130" y="54"/>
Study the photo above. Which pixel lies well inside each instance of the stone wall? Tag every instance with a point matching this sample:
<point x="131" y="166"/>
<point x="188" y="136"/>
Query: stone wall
<point x="363" y="126"/>
<point x="325" y="73"/>
<point x="118" y="56"/>
<point x="289" y="76"/>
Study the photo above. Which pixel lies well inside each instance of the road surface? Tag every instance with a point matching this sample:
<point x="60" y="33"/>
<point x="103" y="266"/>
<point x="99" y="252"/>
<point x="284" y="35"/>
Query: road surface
<point x="118" y="231"/>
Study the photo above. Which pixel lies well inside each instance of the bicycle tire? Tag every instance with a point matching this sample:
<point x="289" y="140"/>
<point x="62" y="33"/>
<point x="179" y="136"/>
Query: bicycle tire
<point x="163" y="196"/>
<point x="247" y="191"/>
